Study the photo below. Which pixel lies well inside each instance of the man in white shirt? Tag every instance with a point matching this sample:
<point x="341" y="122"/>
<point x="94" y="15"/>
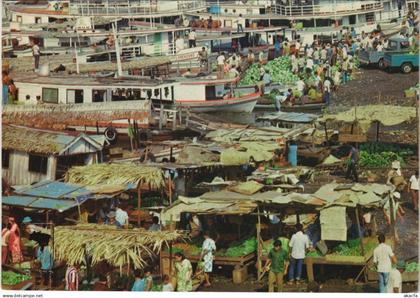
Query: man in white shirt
<point x="36" y="53"/>
<point x="327" y="91"/>
<point x="299" y="244"/>
<point x="220" y="65"/>
<point x="395" y="278"/>
<point x="192" y="36"/>
<point x="383" y="257"/>
<point x="300" y="85"/>
<point x="414" y="189"/>
<point x="121" y="217"/>
<point x="309" y="52"/>
<point x="310" y="63"/>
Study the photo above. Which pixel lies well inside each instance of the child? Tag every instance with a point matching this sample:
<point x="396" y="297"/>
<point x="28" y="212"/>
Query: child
<point x="148" y="278"/>
<point x="139" y="283"/>
<point x="167" y="285"/>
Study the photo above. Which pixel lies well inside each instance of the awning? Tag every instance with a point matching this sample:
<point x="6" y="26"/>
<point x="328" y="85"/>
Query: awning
<point x="54" y="190"/>
<point x="40" y="203"/>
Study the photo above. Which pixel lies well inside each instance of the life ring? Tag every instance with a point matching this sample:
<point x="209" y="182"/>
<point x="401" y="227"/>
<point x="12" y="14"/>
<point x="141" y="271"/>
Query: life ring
<point x="111" y="134"/>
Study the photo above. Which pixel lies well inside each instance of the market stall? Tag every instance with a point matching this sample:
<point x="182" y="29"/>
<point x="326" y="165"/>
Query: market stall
<point x="127" y="176"/>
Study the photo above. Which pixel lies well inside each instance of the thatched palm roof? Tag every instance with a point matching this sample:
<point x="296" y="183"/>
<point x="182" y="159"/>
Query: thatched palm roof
<point x="117" y="246"/>
<point x="34" y="141"/>
<point x="116" y="174"/>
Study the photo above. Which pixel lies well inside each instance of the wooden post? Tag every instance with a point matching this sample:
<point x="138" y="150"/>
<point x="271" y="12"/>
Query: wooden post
<point x="139" y="202"/>
<point x="377" y="131"/>
<point x="391" y="215"/>
<point x="359" y="230"/>
<point x="161" y="116"/>
<point x="170" y="258"/>
<point x="309" y="268"/>
<point x="170" y="187"/>
<point x="174" y="120"/>
<point x="326" y="132"/>
<point x="259" y="248"/>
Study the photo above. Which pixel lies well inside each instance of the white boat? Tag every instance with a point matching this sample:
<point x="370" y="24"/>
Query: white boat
<point x="207" y="94"/>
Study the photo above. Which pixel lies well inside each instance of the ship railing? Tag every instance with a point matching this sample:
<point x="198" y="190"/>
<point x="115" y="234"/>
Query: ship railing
<point x="335" y="7"/>
<point x="137" y="8"/>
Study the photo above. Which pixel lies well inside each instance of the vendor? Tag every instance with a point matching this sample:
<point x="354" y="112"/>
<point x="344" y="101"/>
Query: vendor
<point x="195" y="226"/>
<point x="45" y="257"/>
<point x="30" y="228"/>
<point x="395" y="176"/>
<point x="279" y="160"/>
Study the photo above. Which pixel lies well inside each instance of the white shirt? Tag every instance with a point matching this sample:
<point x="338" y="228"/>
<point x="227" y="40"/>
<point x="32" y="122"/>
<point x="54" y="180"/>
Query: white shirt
<point x="379" y="48"/>
<point x="299" y="243"/>
<point x="309" y="63"/>
<point x="167" y="288"/>
<point x="414" y="182"/>
<point x="309" y="52"/>
<point x="327" y="86"/>
<point x="382" y="256"/>
<point x="35" y="50"/>
<point x="221" y="60"/>
<point x="192" y="35"/>
<point x="300" y="85"/>
<point x="394" y="281"/>
<point x="121" y="216"/>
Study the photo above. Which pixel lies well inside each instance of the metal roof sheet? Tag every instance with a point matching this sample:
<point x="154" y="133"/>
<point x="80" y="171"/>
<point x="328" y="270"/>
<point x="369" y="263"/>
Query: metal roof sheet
<point x="54" y="190"/>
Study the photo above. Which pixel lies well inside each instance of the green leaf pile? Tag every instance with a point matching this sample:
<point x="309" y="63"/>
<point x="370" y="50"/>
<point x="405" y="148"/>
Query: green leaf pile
<point x="11" y="278"/>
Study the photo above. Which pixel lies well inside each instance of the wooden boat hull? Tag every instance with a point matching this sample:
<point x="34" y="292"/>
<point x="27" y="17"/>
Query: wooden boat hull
<point x="310" y="107"/>
<point x="244" y="104"/>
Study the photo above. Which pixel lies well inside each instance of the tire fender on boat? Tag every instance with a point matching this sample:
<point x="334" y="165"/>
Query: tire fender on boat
<point x="111" y="134"/>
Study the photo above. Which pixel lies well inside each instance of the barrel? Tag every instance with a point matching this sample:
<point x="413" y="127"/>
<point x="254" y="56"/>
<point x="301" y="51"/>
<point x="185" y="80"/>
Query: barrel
<point x="292" y="155"/>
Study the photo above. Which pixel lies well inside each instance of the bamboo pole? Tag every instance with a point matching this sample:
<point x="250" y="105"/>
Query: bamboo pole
<point x="259" y="249"/>
<point x="391" y="215"/>
<point x="359" y="229"/>
<point x="139" y="202"/>
<point x="170" y="187"/>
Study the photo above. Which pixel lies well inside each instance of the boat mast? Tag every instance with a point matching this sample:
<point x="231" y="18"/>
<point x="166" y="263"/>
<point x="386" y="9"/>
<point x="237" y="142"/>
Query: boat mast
<point x="117" y="50"/>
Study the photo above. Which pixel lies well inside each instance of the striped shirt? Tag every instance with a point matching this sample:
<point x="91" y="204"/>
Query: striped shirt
<point x="72" y="279"/>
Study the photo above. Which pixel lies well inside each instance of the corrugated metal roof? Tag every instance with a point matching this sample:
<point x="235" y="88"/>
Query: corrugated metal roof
<point x="39" y="203"/>
<point x="289" y="117"/>
<point x="54" y="190"/>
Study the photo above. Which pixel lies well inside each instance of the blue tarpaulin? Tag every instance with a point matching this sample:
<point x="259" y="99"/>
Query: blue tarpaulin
<point x="52" y="195"/>
<point x="39" y="203"/>
<point x="54" y="190"/>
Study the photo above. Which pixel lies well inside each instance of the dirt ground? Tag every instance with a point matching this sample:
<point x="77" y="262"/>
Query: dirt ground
<point x="374" y="86"/>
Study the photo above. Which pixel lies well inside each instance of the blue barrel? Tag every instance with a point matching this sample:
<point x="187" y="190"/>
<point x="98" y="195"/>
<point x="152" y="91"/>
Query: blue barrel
<point x="292" y="155"/>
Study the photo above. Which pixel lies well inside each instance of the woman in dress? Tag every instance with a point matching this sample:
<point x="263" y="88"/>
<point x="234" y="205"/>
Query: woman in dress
<point x="207" y="256"/>
<point x="183" y="273"/>
<point x="14" y="242"/>
<point x="5" y="236"/>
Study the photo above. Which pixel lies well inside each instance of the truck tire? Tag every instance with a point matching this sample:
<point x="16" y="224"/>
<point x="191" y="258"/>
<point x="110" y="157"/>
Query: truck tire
<point x="111" y="134"/>
<point x="381" y="64"/>
<point x="406" y="67"/>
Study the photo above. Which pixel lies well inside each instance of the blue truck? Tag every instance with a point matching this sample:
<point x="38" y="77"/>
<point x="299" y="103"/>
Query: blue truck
<point x="406" y="62"/>
<point x="369" y="57"/>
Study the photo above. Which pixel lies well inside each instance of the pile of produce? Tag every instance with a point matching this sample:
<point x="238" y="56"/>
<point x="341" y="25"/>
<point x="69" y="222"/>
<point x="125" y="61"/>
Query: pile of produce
<point x="412" y="267"/>
<point x="186" y="248"/>
<point x="382" y="155"/>
<point x="279" y="70"/>
<point x="245" y="248"/>
<point x="10" y="278"/>
<point x="352" y="248"/>
<point x="268" y="245"/>
<point x="411" y="92"/>
<point x="314" y="254"/>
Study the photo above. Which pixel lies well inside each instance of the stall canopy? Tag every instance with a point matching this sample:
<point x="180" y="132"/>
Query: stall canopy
<point x="387" y="115"/>
<point x="49" y="195"/>
<point x="227" y="202"/>
<point x="117" y="175"/>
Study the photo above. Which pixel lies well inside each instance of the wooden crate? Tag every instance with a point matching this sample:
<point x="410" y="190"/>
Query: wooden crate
<point x="239" y="274"/>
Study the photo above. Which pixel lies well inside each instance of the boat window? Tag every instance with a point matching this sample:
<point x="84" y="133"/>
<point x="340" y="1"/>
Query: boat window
<point x="74" y="96"/>
<point x="99" y="95"/>
<point x="122" y="94"/>
<point x="38" y="164"/>
<point x="5" y="157"/>
<point x="50" y="95"/>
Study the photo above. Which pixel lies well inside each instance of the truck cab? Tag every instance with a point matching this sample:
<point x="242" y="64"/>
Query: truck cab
<point x="396" y="44"/>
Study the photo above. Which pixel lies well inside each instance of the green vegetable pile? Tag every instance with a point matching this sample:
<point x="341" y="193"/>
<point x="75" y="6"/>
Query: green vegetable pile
<point x="313" y="254"/>
<point x="352" y="248"/>
<point x="11" y="278"/>
<point x="156" y="288"/>
<point x="279" y="70"/>
<point x="382" y="155"/>
<point x="245" y="248"/>
<point x="268" y="245"/>
<point x="412" y="267"/>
